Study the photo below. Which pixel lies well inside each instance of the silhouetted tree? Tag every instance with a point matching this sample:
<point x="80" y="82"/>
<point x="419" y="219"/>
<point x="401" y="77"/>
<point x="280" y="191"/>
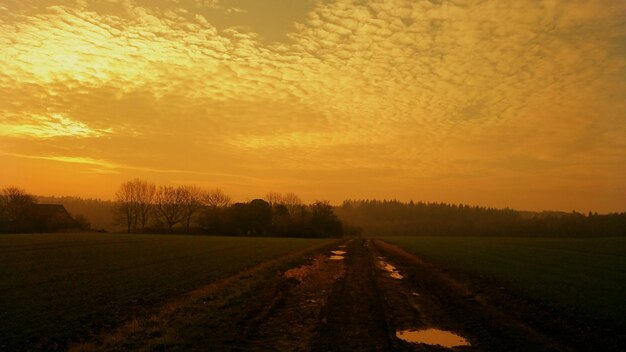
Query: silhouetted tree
<point x="281" y="220"/>
<point x="125" y="207"/>
<point x="191" y="203"/>
<point x="133" y="203"/>
<point x="274" y="198"/>
<point x="289" y="200"/>
<point x="324" y="220"/>
<point x="252" y="218"/>
<point x="293" y="203"/>
<point x="239" y="218"/>
<point x="145" y="201"/>
<point x="260" y="216"/>
<point x="14" y="206"/>
<point x="213" y="213"/>
<point x="215" y="198"/>
<point x="169" y="202"/>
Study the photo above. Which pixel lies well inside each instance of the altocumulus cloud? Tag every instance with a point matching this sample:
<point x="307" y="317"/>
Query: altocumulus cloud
<point x="439" y="92"/>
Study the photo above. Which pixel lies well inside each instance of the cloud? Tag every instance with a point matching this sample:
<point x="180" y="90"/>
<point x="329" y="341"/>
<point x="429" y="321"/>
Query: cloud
<point x="53" y="125"/>
<point x="67" y="159"/>
<point x="232" y="10"/>
<point x="441" y="90"/>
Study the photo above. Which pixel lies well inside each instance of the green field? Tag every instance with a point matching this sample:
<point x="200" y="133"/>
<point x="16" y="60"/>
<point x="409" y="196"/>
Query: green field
<point x="56" y="286"/>
<point x="585" y="276"/>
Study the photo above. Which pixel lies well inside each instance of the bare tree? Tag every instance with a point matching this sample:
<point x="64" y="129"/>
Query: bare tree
<point x="213" y="217"/>
<point x="14" y="204"/>
<point x="289" y="200"/>
<point x="215" y="198"/>
<point x="125" y="207"/>
<point x="133" y="203"/>
<point x="190" y="198"/>
<point x="274" y="198"/>
<point x="292" y="202"/>
<point x="169" y="205"/>
<point x="145" y="201"/>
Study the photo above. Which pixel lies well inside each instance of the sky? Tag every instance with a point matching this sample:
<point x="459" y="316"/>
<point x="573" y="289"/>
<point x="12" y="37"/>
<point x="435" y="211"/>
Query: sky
<point x="495" y="103"/>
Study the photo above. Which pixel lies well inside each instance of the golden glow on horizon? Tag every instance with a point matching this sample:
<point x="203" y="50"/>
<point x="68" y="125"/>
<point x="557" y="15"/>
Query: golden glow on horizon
<point x="496" y="103"/>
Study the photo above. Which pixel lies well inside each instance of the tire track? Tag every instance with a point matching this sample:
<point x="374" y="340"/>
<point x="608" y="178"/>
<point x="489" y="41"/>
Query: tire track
<point x="355" y="319"/>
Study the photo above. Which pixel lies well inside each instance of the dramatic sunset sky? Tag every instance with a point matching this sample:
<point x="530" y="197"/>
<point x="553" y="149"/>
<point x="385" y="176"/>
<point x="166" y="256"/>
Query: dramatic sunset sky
<point x="491" y="102"/>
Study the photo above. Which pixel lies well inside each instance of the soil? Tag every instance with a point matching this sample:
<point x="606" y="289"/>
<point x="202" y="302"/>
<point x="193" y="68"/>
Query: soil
<point x="359" y="304"/>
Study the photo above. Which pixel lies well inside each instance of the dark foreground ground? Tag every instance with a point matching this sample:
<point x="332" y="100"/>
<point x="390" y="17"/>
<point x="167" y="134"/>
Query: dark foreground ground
<point x="353" y="304"/>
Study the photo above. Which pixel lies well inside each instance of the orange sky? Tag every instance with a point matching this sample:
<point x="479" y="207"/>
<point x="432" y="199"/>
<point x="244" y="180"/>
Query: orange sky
<point x="498" y="103"/>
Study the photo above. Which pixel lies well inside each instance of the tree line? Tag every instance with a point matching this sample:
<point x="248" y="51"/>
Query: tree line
<point x="140" y="206"/>
<point x="395" y="218"/>
<point x="144" y="207"/>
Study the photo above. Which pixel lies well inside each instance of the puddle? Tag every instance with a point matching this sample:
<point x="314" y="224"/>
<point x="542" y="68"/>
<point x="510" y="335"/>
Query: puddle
<point x="396" y="275"/>
<point x="432" y="337"/>
<point x="415" y="293"/>
<point x="337" y="255"/>
<point x="393" y="272"/>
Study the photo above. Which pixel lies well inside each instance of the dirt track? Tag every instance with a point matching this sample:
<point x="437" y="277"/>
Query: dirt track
<point x="365" y="307"/>
<point x="355" y="305"/>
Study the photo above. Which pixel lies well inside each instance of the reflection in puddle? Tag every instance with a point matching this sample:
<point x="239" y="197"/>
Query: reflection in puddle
<point x="393" y="272"/>
<point x="433" y="337"/>
<point x="337" y="255"/>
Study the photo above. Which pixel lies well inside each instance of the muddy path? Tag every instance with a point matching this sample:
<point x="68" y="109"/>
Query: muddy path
<point x="382" y="298"/>
<point x="390" y="300"/>
<point x="426" y="297"/>
<point x="354" y="318"/>
<point x="362" y="295"/>
<point x="492" y="317"/>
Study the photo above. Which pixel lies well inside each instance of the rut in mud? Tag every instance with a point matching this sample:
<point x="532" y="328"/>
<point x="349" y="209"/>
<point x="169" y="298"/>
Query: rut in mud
<point x="385" y="299"/>
<point x="354" y="319"/>
<point x="367" y="295"/>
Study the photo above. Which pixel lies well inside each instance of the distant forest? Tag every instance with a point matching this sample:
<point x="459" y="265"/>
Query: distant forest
<point x="187" y="209"/>
<point x="395" y="218"/>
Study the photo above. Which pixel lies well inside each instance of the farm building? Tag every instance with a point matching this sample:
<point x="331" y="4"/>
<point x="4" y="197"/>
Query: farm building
<point x="41" y="218"/>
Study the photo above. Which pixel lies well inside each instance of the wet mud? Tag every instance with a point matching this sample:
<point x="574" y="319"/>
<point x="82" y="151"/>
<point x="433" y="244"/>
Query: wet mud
<point x="481" y="312"/>
<point x="354" y="318"/>
<point x="392" y="270"/>
<point x="368" y="295"/>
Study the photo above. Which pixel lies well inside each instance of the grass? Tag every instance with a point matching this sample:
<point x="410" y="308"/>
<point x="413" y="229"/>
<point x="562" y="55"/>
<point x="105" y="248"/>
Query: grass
<point x="54" y="287"/>
<point x="582" y="276"/>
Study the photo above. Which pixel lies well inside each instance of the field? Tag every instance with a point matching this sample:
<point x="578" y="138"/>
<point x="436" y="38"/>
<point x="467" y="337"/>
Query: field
<point x="102" y="292"/>
<point x="581" y="276"/>
<point x="54" y="287"/>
